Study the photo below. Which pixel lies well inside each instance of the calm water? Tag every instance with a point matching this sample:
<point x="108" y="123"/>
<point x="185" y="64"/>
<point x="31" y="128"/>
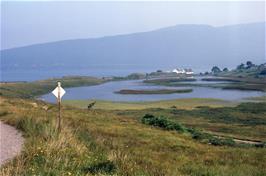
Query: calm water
<point x="106" y="92"/>
<point x="38" y="73"/>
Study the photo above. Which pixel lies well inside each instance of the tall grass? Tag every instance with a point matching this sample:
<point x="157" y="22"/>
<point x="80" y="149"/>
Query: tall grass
<point x="101" y="142"/>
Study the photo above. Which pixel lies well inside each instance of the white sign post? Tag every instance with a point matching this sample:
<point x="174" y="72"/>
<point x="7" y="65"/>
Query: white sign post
<point x="58" y="93"/>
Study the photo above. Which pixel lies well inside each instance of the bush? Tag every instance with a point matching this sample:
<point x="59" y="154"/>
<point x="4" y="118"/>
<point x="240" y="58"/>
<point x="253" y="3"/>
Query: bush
<point x="263" y="72"/>
<point x="162" y="122"/>
<point x="220" y="141"/>
<point x="198" y="135"/>
<point x="201" y="136"/>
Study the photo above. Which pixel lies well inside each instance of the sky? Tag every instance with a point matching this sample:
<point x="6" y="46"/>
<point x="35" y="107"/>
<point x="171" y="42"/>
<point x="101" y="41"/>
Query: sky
<point x="27" y="23"/>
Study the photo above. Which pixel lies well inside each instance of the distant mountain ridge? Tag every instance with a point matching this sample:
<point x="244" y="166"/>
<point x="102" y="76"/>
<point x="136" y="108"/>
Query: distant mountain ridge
<point x="180" y="45"/>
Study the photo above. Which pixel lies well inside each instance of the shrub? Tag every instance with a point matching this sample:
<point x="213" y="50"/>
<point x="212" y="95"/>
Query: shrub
<point x="162" y="122"/>
<point x="201" y="136"/>
<point x="107" y="167"/>
<point x="263" y="72"/>
<point x="220" y="141"/>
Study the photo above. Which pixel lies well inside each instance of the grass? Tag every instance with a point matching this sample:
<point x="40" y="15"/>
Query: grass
<point x="179" y="103"/>
<point x="199" y="135"/>
<point x="232" y="83"/>
<point x="262" y="98"/>
<point x="169" y="80"/>
<point x="37" y="88"/>
<point x="113" y="139"/>
<point x="105" y="142"/>
<point x="154" y="91"/>
<point x="245" y="121"/>
<point x="167" y="124"/>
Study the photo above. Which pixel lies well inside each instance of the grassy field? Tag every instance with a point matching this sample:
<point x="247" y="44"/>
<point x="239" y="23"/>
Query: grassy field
<point x="179" y="103"/>
<point x="154" y="91"/>
<point x="105" y="142"/>
<point x="236" y="83"/>
<point x="37" y="88"/>
<point x="244" y="121"/>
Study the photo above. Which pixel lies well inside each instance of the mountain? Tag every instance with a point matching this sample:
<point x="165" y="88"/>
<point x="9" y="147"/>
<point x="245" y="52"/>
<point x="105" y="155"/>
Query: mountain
<point x="180" y="45"/>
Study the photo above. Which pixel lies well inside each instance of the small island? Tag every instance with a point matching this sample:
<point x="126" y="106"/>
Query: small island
<point x="154" y="91"/>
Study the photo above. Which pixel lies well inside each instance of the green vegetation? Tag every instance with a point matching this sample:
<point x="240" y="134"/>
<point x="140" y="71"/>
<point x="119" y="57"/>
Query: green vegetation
<point x="246" y="122"/>
<point x="37" y="88"/>
<point x="179" y="103"/>
<point x="164" y="123"/>
<point x="216" y="70"/>
<point x="249" y="70"/>
<point x="179" y="137"/>
<point x="155" y="91"/>
<point x="102" y="142"/>
<point x="232" y="83"/>
<point x="254" y="111"/>
<point x="244" y="77"/>
<point x="238" y="83"/>
<point x="166" y="81"/>
<point x="262" y="99"/>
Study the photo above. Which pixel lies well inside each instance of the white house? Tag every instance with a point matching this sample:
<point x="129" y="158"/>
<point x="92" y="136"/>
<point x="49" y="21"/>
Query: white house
<point x="183" y="71"/>
<point x="178" y="71"/>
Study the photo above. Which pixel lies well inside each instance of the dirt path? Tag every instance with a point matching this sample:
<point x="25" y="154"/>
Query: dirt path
<point x="238" y="140"/>
<point x="11" y="142"/>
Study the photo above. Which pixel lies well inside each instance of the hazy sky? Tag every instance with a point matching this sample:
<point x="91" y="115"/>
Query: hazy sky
<point x="25" y="23"/>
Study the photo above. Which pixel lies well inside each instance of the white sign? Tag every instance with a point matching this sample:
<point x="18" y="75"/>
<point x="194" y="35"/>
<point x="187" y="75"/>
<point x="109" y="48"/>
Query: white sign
<point x="59" y="91"/>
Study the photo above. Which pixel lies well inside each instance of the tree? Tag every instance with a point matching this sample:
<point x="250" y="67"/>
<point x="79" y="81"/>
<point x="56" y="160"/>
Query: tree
<point x="225" y="70"/>
<point x="216" y="69"/>
<point x="249" y="64"/>
<point x="240" y="67"/>
<point x="263" y="72"/>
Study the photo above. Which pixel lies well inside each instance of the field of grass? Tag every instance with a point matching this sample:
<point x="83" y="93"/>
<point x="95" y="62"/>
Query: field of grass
<point x="37" y="88"/>
<point x="154" y="91"/>
<point x="245" y="121"/>
<point x="109" y="142"/>
<point x="232" y="83"/>
<point x="169" y="80"/>
<point x="262" y="98"/>
<point x="179" y="103"/>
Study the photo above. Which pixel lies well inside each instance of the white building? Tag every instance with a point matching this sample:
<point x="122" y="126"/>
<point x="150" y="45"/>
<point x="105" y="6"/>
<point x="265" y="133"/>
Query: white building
<point x="178" y="71"/>
<point x="183" y="71"/>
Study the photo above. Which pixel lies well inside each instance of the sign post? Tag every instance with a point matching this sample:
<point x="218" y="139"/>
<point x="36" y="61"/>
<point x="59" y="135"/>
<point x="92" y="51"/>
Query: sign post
<point x="58" y="93"/>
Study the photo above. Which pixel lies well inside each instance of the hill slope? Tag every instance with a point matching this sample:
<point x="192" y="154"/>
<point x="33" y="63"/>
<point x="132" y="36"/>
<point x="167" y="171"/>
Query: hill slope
<point x="181" y="45"/>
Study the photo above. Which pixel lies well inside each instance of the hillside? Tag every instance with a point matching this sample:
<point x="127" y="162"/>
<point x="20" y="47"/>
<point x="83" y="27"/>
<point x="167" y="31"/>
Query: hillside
<point x="187" y="45"/>
<point x="105" y="142"/>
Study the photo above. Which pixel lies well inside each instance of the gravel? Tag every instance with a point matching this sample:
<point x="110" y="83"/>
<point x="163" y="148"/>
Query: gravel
<point x="11" y="142"/>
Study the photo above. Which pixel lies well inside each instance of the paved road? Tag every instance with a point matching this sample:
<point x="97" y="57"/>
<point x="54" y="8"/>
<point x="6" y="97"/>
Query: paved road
<point x="11" y="142"/>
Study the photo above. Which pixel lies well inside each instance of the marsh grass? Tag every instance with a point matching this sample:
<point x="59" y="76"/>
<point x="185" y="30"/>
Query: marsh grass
<point x="37" y="88"/>
<point x="189" y="103"/>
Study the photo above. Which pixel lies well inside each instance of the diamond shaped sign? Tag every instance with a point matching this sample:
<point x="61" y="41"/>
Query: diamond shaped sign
<point x="56" y="93"/>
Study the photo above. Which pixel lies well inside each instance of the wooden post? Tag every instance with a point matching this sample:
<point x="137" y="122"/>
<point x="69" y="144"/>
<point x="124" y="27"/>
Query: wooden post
<point x="58" y="93"/>
<point x="59" y="107"/>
